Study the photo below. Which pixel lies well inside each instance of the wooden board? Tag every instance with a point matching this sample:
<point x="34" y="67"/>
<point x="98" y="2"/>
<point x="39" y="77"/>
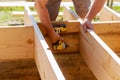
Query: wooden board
<point x="73" y="66"/>
<point x="69" y="39"/>
<point x="70" y="36"/>
<point x="16" y="42"/>
<point x="118" y="54"/>
<point x="102" y="61"/>
<point x="71" y="26"/>
<point x="109" y="32"/>
<point x="46" y="64"/>
<point x="68" y="13"/>
<point x="111" y="14"/>
<point x="19" y="70"/>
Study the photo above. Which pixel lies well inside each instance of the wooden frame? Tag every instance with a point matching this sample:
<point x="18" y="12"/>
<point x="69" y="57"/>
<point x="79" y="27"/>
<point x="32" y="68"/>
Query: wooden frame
<point x="101" y="59"/>
<point x="46" y="64"/>
<point x="99" y="48"/>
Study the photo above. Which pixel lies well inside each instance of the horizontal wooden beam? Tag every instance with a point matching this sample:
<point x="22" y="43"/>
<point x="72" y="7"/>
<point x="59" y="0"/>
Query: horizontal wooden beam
<point x="21" y="14"/>
<point x="71" y="26"/>
<point x="23" y="3"/>
<point x="16" y="3"/>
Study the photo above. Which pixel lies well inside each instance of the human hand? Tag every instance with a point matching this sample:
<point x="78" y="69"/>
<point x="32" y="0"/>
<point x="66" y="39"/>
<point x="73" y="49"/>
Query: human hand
<point x="86" y="24"/>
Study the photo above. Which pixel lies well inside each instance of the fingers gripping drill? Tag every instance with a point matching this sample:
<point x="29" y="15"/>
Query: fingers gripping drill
<point x="60" y="45"/>
<point x="59" y="27"/>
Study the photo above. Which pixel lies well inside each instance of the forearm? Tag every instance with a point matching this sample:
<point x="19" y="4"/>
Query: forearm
<point x="43" y="13"/>
<point x="95" y="8"/>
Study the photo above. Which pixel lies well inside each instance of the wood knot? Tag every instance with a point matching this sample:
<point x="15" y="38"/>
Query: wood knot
<point x="29" y="41"/>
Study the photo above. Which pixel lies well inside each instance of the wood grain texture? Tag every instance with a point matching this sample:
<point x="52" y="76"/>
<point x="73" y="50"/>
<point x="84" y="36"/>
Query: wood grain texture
<point x="103" y="62"/>
<point x="19" y="70"/>
<point x="118" y="54"/>
<point x="70" y="39"/>
<point x="71" y="26"/>
<point x="71" y="36"/>
<point x="46" y="64"/>
<point x="67" y="15"/>
<point x="107" y="14"/>
<point x="16" y="43"/>
<point x="74" y="67"/>
<point x="109" y="32"/>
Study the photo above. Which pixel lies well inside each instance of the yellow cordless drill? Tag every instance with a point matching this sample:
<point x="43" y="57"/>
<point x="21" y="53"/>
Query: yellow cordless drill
<point x="59" y="45"/>
<point x="59" y="27"/>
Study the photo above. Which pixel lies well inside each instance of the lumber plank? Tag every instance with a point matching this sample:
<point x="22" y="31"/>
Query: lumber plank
<point x="70" y="39"/>
<point x="23" y="3"/>
<point x="68" y="15"/>
<point x="16" y="3"/>
<point x="19" y="70"/>
<point x="118" y="54"/>
<point x="21" y="13"/>
<point x="27" y="20"/>
<point x="109" y="32"/>
<point x="70" y="36"/>
<point x="102" y="61"/>
<point x="107" y="14"/>
<point x="71" y="26"/>
<point x="16" y="42"/>
<point x="66" y="0"/>
<point x="117" y="1"/>
<point x="74" y="67"/>
<point x="111" y="14"/>
<point x="46" y="63"/>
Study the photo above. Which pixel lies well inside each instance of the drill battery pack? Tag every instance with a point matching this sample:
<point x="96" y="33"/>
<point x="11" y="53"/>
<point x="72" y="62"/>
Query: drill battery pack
<point x="59" y="27"/>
